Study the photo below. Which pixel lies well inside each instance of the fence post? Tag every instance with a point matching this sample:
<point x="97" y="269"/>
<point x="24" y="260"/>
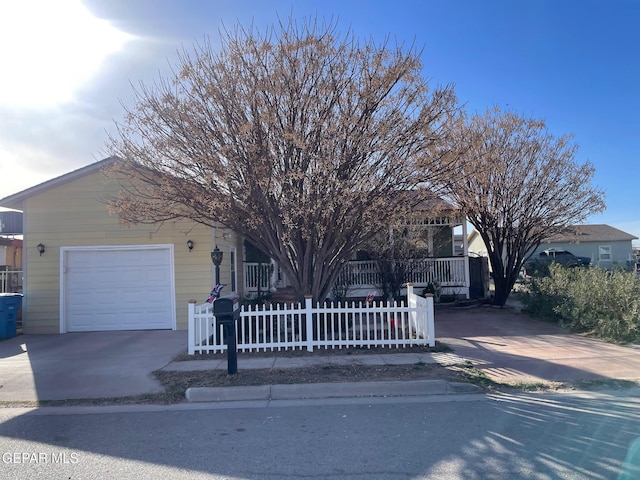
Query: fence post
<point x="308" y="314"/>
<point x="430" y="320"/>
<point x="191" y="334"/>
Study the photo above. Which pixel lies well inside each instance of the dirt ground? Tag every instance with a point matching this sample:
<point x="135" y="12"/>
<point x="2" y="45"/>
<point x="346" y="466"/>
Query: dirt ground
<point x="176" y="383"/>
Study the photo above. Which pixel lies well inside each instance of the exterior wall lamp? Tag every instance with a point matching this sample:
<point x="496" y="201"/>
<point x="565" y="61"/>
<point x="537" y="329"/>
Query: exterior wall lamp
<point x="190" y="245"/>
<point x="40" y="248"/>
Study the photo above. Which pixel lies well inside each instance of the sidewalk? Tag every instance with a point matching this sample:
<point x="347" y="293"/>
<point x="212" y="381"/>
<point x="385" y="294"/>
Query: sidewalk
<point x="324" y="390"/>
<point x="308" y="361"/>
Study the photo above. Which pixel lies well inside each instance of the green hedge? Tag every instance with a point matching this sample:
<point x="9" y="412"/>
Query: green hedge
<point x="605" y="303"/>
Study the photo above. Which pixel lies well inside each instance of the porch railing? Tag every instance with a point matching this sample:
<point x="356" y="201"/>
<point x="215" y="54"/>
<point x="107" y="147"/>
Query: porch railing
<point x="446" y="271"/>
<point x="257" y="277"/>
<point x="10" y="281"/>
<point x="363" y="276"/>
<point x="311" y="326"/>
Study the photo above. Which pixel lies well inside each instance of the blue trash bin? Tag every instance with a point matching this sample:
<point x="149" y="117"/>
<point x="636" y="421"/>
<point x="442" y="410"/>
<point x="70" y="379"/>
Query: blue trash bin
<point x="9" y="306"/>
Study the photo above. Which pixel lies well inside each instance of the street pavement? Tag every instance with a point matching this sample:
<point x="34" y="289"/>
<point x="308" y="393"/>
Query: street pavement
<point x="503" y="436"/>
<point x="506" y="345"/>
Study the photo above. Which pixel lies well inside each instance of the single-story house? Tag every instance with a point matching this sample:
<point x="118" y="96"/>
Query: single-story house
<point x="84" y="270"/>
<point x="10" y="252"/>
<point x="476" y="245"/>
<point x="605" y="245"/>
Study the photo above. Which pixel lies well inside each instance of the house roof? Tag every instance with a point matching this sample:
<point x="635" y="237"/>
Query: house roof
<point x="583" y="233"/>
<point x="15" y="201"/>
<point x="590" y="233"/>
<point x="426" y="201"/>
<point x="423" y="201"/>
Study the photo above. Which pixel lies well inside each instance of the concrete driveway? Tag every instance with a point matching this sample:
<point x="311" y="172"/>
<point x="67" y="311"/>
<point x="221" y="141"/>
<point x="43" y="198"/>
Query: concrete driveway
<point x="85" y="365"/>
<point x="513" y="347"/>
<point x="506" y="345"/>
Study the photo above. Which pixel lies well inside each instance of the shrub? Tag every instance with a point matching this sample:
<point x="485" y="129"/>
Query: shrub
<point x="537" y="268"/>
<point x="606" y="303"/>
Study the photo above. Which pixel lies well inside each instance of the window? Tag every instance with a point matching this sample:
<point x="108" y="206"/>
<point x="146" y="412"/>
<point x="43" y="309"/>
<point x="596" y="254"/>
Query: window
<point x="232" y="257"/>
<point x="604" y="253"/>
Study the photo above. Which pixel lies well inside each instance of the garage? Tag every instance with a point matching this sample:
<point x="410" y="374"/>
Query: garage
<point x="117" y="288"/>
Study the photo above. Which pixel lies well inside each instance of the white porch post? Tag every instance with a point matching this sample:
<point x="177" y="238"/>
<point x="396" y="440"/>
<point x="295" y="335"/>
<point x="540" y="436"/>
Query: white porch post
<point x="465" y="252"/>
<point x="274" y="276"/>
<point x="465" y="240"/>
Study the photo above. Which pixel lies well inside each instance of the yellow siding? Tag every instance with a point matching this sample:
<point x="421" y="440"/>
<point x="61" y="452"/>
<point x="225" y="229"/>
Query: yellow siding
<point x="73" y="215"/>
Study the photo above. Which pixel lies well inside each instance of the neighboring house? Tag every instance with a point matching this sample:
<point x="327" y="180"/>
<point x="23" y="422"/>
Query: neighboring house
<point x="10" y="252"/>
<point x="86" y="271"/>
<point x="10" y="265"/>
<point x="10" y="244"/>
<point x="476" y="245"/>
<point x="605" y="245"/>
<point x="10" y="223"/>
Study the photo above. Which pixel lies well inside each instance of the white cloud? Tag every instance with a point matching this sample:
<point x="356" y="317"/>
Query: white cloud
<point x="35" y="147"/>
<point x="48" y="49"/>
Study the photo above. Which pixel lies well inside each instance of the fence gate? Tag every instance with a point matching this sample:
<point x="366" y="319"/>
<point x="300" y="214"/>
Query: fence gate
<point x="477" y="277"/>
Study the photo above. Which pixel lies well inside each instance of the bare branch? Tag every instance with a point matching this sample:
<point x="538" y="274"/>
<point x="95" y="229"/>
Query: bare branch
<point x="518" y="185"/>
<point x="296" y="138"/>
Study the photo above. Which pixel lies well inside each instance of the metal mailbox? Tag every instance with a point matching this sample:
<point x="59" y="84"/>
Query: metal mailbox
<point x="227" y="309"/>
<point x="227" y="312"/>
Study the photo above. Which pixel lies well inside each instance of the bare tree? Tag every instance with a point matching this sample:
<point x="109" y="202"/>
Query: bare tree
<point x="395" y="253"/>
<point x="296" y="138"/>
<point x="518" y="184"/>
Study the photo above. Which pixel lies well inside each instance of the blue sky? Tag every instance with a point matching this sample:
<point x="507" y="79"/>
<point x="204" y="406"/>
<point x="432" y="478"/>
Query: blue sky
<point x="574" y="63"/>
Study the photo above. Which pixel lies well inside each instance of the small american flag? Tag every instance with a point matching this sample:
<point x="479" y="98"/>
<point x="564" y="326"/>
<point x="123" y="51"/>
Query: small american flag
<point x="215" y="293"/>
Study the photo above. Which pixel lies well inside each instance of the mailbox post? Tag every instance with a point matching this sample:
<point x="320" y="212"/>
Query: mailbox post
<point x="227" y="312"/>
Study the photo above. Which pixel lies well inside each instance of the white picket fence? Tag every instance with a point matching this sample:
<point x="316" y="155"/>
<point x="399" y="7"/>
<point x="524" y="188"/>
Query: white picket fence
<point x="298" y="326"/>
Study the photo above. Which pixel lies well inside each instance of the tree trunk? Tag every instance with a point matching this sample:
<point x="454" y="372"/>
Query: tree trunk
<point x="502" y="280"/>
<point x="502" y="290"/>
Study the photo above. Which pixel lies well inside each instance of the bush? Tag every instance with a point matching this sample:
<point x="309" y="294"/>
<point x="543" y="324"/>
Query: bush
<point x="606" y="303"/>
<point x="537" y="268"/>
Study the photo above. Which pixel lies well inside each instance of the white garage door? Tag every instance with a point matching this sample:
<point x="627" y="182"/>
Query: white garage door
<point x="118" y="288"/>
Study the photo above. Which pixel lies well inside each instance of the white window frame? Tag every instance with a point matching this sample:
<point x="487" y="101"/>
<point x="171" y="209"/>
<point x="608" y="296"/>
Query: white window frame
<point x="605" y="251"/>
<point x="233" y="273"/>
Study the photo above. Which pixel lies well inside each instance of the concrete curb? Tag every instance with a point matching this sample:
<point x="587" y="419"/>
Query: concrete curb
<point x="329" y="390"/>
